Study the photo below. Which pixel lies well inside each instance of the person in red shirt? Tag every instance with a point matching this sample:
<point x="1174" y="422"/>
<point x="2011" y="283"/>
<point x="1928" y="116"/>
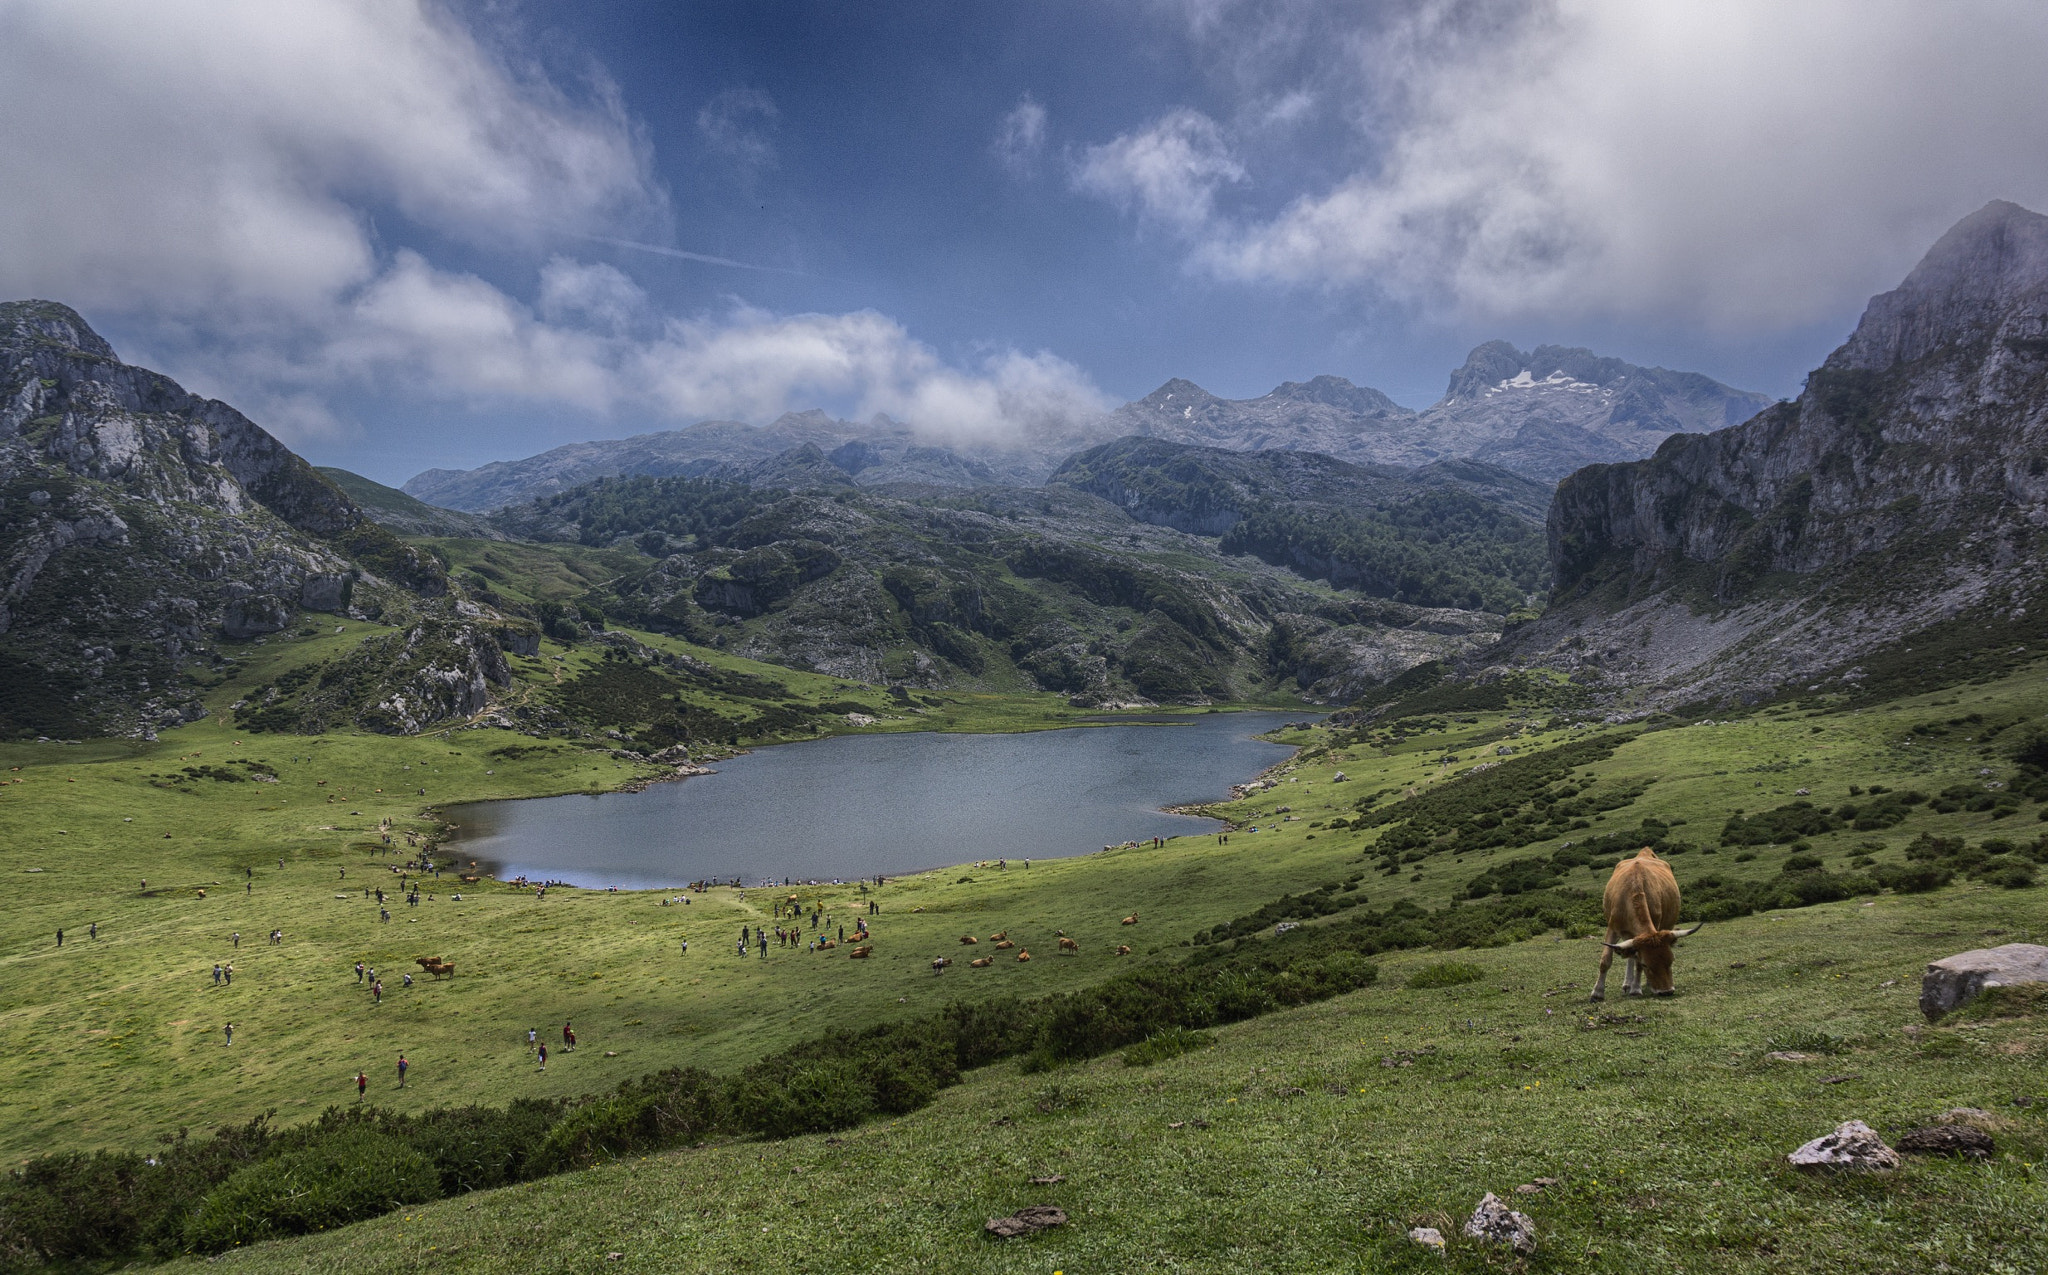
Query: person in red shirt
<point x="362" y="1084"/>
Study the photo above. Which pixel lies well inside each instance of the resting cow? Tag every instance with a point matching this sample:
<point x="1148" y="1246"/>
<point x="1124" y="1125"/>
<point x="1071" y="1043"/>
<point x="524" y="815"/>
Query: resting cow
<point x="1641" y="905"/>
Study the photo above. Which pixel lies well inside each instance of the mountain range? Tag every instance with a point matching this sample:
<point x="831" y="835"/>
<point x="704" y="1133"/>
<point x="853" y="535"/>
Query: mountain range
<point x="1540" y="414"/>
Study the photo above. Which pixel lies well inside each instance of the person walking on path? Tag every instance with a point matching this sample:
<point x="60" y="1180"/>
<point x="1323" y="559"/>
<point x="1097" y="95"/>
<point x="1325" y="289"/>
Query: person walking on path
<point x="93" y="931"/>
<point x="238" y="940"/>
<point x="60" y="936"/>
<point x="229" y="1030"/>
<point x="227" y="973"/>
<point x="362" y="1084"/>
<point x="359" y="971"/>
<point x="377" y="993"/>
<point x="568" y="1037"/>
<point x="403" y="1065"/>
<point x="531" y="1035"/>
<point x="216" y="973"/>
<point x="543" y="1057"/>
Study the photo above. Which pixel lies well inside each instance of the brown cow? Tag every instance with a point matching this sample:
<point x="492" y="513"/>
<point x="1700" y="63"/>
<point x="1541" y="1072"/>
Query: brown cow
<point x="1005" y="945"/>
<point x="1132" y="919"/>
<point x="860" y="953"/>
<point x="982" y="962"/>
<point x="442" y="969"/>
<point x="1023" y="956"/>
<point x="968" y="940"/>
<point x="1123" y="949"/>
<point x="1641" y="906"/>
<point x="998" y="936"/>
<point x="425" y="961"/>
<point x="1068" y="945"/>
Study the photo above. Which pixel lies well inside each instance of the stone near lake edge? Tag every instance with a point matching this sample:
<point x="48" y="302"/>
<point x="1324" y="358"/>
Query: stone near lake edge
<point x="1955" y="980"/>
<point x="1853" y="1147"/>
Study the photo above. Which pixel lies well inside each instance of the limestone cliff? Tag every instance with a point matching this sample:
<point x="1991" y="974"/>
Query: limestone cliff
<point x="1904" y="488"/>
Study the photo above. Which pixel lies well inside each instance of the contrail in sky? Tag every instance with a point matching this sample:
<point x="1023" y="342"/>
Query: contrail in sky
<point x="694" y="256"/>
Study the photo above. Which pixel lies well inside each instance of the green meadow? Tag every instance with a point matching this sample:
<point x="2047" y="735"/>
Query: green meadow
<point x="1329" y="1129"/>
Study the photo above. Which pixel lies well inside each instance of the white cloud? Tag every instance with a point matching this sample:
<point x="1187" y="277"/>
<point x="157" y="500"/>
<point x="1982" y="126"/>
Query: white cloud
<point x="216" y="169"/>
<point x="1020" y="137"/>
<point x="1169" y="171"/>
<point x="1737" y="162"/>
<point x="183" y="155"/>
<point x="737" y="123"/>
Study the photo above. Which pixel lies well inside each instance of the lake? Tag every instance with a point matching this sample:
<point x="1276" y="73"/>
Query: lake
<point x="858" y="805"/>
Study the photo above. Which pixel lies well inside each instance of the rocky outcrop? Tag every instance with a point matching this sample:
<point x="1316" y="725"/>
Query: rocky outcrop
<point x="1904" y="487"/>
<point x="141" y="524"/>
<point x="1853" y="1147"/>
<point x="1956" y="980"/>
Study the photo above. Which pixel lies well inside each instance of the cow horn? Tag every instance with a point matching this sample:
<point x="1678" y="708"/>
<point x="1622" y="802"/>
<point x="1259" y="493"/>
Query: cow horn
<point x="1686" y="934"/>
<point x="1626" y="945"/>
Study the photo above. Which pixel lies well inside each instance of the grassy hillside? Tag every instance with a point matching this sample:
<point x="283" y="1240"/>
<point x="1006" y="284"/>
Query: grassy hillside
<point x="1668" y="1154"/>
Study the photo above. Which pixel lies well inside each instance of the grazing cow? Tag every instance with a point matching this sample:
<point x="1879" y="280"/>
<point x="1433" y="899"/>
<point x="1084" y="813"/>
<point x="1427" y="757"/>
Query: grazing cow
<point x="860" y="953"/>
<point x="1132" y="919"/>
<point x="442" y="969"/>
<point x="1123" y="949"/>
<point x="1023" y="956"/>
<point x="968" y="940"/>
<point x="1641" y="906"/>
<point x="1005" y="945"/>
<point x="982" y="962"/>
<point x="1068" y="945"/>
<point x="998" y="936"/>
<point x="426" y="961"/>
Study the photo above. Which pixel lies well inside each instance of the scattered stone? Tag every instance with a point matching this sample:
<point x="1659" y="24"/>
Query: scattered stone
<point x="1025" y="1221"/>
<point x="1953" y="980"/>
<point x="1427" y="1235"/>
<point x="1788" y="1055"/>
<point x="614" y="1257"/>
<point x="1178" y="1124"/>
<point x="1967" y="1115"/>
<point x="1853" y="1147"/>
<point x="1836" y="1080"/>
<point x="1948" y="1139"/>
<point x="1050" y="1179"/>
<point x="1496" y="1223"/>
<point x="1535" y="1186"/>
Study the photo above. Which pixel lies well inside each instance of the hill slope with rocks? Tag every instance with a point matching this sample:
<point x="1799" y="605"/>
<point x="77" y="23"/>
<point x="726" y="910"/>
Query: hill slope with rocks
<point x="145" y="531"/>
<point x="1884" y="527"/>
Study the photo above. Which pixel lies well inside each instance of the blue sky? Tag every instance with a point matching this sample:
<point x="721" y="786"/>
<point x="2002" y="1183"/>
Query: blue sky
<point x="398" y="234"/>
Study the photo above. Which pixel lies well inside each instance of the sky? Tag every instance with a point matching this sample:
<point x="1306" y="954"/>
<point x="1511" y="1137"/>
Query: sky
<point x="405" y="234"/>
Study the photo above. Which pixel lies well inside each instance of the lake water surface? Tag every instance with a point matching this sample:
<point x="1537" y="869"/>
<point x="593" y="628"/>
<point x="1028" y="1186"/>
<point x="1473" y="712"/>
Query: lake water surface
<point x="857" y="805"/>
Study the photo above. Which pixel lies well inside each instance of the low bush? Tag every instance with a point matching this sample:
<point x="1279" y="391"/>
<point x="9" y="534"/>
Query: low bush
<point x="1171" y="1043"/>
<point x="354" y="1174"/>
<point x="1446" y="974"/>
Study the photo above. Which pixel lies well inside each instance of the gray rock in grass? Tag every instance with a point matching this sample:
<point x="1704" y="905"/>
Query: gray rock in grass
<point x="1957" y="979"/>
<point x="1494" y="1222"/>
<point x="1853" y="1147"/>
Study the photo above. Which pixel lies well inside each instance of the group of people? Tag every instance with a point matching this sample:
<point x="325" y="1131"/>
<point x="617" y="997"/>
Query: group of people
<point x="539" y="1048"/>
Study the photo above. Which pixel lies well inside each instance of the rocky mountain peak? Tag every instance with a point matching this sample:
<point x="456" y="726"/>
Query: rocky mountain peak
<point x="1335" y="391"/>
<point x="1179" y="393"/>
<point x="1987" y="276"/>
<point x="50" y="323"/>
<point x="1484" y="368"/>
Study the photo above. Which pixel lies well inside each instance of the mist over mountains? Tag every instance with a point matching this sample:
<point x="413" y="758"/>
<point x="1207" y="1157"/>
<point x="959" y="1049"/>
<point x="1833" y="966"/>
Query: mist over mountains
<point x="1541" y="414"/>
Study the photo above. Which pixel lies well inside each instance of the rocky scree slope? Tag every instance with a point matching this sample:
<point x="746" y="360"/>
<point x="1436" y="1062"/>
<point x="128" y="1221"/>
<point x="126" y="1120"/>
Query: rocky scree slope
<point x="145" y="530"/>
<point x="1888" y="521"/>
<point x="1001" y="588"/>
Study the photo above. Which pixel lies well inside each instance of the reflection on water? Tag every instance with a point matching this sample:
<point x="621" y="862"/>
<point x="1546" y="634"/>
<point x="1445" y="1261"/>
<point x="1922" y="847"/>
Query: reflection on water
<point x="857" y="805"/>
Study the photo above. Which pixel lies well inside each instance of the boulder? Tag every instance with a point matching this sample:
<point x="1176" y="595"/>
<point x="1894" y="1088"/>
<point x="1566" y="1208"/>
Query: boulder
<point x="1494" y="1222"/>
<point x="1428" y="1236"/>
<point x="257" y="613"/>
<point x="1025" y="1221"/>
<point x="1853" y="1147"/>
<point x="326" y="592"/>
<point x="1948" y="1139"/>
<point x="1953" y="980"/>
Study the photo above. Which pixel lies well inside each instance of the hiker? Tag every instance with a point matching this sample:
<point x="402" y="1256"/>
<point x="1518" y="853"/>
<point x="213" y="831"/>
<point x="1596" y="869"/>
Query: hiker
<point x="93" y="930"/>
<point x="237" y="937"/>
<point x="362" y="1084"/>
<point x="60" y="936"/>
<point x="216" y="973"/>
<point x="377" y="993"/>
<point x="686" y="947"/>
<point x="543" y="1057"/>
<point x="229" y="1030"/>
<point x="402" y="1066"/>
<point x="568" y="1037"/>
<point x="227" y="973"/>
<point x="359" y="971"/>
<point x="407" y="979"/>
<point x="531" y="1035"/>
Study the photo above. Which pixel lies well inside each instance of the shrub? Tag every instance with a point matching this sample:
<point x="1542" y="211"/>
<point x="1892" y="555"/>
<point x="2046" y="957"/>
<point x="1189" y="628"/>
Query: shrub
<point x="1445" y="974"/>
<point x="1171" y="1043"/>
<point x="815" y="1097"/>
<point x="355" y="1174"/>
